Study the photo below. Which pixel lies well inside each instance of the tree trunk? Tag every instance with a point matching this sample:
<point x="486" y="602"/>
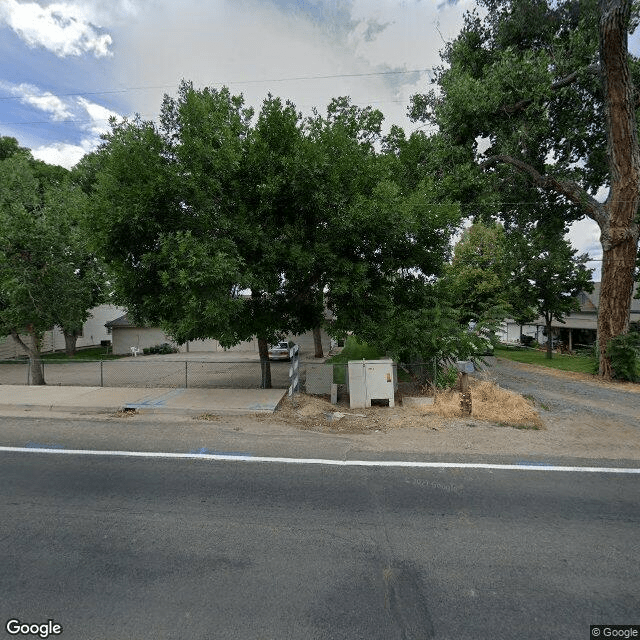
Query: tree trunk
<point x="70" y="338"/>
<point x="317" y="342"/>
<point x="616" y="291"/>
<point x="619" y="234"/>
<point x="549" y="339"/>
<point x="36" y="366"/>
<point x="265" y="363"/>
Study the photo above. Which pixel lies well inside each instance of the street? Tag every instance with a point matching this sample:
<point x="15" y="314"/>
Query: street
<point x="121" y="548"/>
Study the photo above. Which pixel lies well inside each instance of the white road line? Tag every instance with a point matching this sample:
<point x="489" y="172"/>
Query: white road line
<point x="319" y="461"/>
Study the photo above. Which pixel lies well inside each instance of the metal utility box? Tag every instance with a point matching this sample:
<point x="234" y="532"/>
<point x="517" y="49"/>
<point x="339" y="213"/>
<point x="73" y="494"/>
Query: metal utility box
<point x="370" y="380"/>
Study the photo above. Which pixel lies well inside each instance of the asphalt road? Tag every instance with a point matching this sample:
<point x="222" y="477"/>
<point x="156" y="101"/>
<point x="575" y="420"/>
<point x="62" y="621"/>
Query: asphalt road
<point x="127" y="548"/>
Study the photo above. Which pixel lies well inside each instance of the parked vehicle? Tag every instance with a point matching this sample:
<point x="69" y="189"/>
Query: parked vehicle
<point x="283" y="351"/>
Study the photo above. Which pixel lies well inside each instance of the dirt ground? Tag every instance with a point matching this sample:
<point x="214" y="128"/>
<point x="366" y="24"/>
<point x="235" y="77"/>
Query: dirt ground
<point x="546" y="412"/>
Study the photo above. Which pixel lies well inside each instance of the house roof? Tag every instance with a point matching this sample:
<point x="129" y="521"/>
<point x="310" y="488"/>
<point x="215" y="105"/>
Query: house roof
<point x="587" y="317"/>
<point x="122" y="321"/>
<point x="595" y="297"/>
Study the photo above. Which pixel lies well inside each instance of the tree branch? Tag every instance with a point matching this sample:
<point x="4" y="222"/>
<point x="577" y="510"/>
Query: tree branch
<point x="568" y="188"/>
<point x="558" y="84"/>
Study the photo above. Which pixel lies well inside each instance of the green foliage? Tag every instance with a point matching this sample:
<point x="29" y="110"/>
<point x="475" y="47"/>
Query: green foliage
<point x="302" y="214"/>
<point x="446" y="377"/>
<point x="164" y="349"/>
<point x="624" y="351"/>
<point x="530" y="94"/>
<point x="354" y="349"/>
<point x="47" y="274"/>
<point x="477" y="280"/>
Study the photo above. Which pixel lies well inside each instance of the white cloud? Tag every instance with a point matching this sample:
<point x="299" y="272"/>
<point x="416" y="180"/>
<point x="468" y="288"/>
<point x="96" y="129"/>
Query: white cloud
<point x="63" y="28"/>
<point x="584" y="236"/>
<point x="62" y="153"/>
<point x="99" y="116"/>
<point x="42" y="100"/>
<point x="91" y="118"/>
<point x="231" y="41"/>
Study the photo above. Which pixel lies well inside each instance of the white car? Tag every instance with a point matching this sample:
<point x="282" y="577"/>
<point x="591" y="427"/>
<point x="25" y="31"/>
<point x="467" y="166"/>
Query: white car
<point x="283" y="351"/>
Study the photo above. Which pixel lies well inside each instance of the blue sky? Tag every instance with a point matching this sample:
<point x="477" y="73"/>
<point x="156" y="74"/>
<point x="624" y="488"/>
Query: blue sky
<point x="66" y="66"/>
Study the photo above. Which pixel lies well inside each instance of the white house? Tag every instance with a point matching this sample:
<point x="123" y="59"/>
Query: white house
<point x="125" y="335"/>
<point x="93" y="333"/>
<point x="579" y="327"/>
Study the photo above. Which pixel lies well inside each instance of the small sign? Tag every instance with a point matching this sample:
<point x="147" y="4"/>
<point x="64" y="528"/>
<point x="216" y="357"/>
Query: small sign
<point x="464" y="366"/>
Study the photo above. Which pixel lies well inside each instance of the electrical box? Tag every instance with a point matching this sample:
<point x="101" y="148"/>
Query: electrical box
<point x="370" y="380"/>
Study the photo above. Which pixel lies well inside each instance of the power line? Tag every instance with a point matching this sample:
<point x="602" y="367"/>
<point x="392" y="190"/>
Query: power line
<point x="254" y="81"/>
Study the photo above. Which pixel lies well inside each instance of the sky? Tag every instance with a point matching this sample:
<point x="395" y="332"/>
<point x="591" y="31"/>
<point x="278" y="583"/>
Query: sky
<point x="67" y="66"/>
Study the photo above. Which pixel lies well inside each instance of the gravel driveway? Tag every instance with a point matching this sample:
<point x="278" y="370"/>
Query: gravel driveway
<point x="565" y="395"/>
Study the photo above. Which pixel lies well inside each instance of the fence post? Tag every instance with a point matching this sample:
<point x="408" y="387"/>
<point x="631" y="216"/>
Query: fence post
<point x="186" y="374"/>
<point x="101" y="376"/>
<point x="28" y="371"/>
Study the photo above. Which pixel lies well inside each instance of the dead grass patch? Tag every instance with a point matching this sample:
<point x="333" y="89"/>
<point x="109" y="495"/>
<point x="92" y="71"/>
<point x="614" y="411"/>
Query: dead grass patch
<point x="211" y="417"/>
<point x="490" y="403"/>
<point x="493" y="404"/>
<point x="124" y="413"/>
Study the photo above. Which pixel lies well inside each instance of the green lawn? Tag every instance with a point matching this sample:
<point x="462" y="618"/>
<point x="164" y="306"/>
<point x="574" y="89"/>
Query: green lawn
<point x="579" y="363"/>
<point x="92" y="353"/>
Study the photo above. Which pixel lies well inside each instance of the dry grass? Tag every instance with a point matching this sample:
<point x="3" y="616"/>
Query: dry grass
<point x="493" y="404"/>
<point x="490" y="403"/>
<point x="211" y="417"/>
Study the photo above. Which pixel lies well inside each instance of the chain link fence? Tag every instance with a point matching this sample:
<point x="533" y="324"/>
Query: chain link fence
<point x="140" y="372"/>
<point x="314" y="377"/>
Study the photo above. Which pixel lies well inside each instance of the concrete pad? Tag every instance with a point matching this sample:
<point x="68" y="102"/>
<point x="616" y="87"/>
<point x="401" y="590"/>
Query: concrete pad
<point x="217" y="401"/>
<point x="163" y="400"/>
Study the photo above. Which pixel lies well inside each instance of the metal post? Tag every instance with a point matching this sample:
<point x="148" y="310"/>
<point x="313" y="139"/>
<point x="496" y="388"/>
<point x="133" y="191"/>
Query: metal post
<point x="29" y="372"/>
<point x="186" y="375"/>
<point x="101" y="376"/>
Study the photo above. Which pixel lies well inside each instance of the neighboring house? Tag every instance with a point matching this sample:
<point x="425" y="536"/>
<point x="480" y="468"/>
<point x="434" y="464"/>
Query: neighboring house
<point x="578" y="328"/>
<point x="93" y="333"/>
<point x="125" y="335"/>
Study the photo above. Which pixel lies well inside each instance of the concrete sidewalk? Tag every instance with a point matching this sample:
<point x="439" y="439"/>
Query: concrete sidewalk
<point x="168" y="400"/>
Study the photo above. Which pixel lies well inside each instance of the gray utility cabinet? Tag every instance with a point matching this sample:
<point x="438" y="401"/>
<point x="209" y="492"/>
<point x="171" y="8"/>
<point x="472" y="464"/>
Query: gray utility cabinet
<point x="370" y="380"/>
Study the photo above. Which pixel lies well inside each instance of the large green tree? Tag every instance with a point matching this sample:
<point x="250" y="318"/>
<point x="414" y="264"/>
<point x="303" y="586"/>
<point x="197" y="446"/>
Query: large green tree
<point x="547" y="90"/>
<point x="478" y="279"/>
<point x="552" y="274"/>
<point x="194" y="217"/>
<point x="298" y="213"/>
<point x="378" y="228"/>
<point x="48" y="276"/>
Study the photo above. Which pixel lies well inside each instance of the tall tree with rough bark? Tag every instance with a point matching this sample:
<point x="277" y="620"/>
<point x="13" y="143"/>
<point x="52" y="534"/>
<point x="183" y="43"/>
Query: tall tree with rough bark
<point x="547" y="90"/>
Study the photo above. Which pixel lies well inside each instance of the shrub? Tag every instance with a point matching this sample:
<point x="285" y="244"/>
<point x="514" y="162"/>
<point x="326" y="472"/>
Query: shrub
<point x="624" y="351"/>
<point x="446" y="377"/>
<point x="163" y="348"/>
